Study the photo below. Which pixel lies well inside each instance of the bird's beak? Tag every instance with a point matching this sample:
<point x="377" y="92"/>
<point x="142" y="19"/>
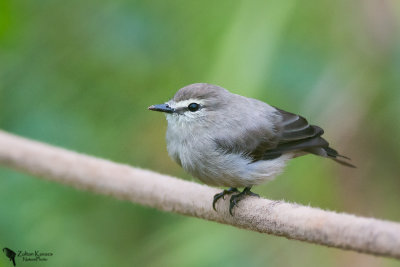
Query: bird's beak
<point x="162" y="108"/>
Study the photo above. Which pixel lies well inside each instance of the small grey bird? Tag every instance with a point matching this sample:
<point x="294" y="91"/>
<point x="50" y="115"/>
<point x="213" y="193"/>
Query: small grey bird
<point x="229" y="140"/>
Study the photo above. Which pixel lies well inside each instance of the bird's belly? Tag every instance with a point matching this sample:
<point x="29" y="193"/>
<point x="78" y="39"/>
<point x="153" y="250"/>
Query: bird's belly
<point x="230" y="170"/>
<point x="201" y="159"/>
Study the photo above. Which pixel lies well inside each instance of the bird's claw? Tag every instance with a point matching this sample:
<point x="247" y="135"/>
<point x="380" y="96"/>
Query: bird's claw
<point x="233" y="201"/>
<point x="222" y="194"/>
<point x="238" y="197"/>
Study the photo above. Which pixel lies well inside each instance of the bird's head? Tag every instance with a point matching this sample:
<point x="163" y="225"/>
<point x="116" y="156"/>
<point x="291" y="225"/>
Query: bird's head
<point x="194" y="104"/>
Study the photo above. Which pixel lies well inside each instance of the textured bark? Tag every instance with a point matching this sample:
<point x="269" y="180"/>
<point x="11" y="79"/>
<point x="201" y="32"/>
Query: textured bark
<point x="170" y="194"/>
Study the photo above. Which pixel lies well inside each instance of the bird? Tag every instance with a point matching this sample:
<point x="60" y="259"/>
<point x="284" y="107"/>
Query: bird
<point x="228" y="140"/>
<point x="10" y="254"/>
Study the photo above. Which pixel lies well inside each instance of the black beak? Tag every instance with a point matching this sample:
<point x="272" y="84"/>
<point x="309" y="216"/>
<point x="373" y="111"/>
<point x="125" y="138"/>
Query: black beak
<point x="162" y="108"/>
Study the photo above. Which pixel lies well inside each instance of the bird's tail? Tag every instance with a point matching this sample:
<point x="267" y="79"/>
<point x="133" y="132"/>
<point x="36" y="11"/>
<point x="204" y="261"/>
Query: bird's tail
<point x="13" y="260"/>
<point x="333" y="154"/>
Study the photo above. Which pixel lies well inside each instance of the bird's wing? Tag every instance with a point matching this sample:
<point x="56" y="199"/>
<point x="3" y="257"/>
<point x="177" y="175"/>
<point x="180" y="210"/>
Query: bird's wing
<point x="295" y="128"/>
<point x="249" y="133"/>
<point x="268" y="134"/>
<point x="297" y="134"/>
<point x="276" y="133"/>
<point x="251" y="143"/>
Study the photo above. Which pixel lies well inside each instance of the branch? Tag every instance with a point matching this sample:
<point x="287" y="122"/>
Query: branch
<point x="167" y="193"/>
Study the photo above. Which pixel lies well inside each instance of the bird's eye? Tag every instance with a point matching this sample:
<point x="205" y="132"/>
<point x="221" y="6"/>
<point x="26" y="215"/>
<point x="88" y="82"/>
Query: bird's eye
<point x="193" y="107"/>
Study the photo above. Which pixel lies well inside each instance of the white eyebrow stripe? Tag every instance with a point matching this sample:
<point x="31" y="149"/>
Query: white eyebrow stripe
<point x="185" y="103"/>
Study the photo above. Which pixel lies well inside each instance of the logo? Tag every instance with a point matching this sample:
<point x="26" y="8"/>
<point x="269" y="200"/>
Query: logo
<point x="27" y="256"/>
<point x="10" y="254"/>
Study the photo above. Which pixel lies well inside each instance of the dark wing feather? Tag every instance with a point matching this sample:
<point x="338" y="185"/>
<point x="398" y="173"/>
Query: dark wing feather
<point x="295" y="127"/>
<point x="298" y="135"/>
<point x="299" y="145"/>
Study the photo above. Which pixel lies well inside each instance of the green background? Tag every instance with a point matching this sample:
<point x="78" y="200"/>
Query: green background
<point x="81" y="74"/>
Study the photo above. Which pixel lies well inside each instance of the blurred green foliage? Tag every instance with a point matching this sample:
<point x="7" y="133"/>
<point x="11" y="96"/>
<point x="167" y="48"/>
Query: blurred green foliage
<point x="81" y="74"/>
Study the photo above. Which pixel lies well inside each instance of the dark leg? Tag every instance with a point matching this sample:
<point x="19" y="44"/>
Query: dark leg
<point x="222" y="194"/>
<point x="238" y="197"/>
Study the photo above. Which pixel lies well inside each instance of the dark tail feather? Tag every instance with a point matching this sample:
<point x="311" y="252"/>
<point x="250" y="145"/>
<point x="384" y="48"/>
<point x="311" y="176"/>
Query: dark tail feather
<point x="333" y="154"/>
<point x="341" y="156"/>
<point x="13" y="260"/>
<point x="345" y="163"/>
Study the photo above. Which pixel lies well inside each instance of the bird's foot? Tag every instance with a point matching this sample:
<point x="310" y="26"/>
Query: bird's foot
<point x="222" y="194"/>
<point x="238" y="197"/>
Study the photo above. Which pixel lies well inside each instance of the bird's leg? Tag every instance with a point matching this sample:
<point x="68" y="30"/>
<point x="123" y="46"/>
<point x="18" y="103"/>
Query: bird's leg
<point x="238" y="197"/>
<point x="222" y="194"/>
